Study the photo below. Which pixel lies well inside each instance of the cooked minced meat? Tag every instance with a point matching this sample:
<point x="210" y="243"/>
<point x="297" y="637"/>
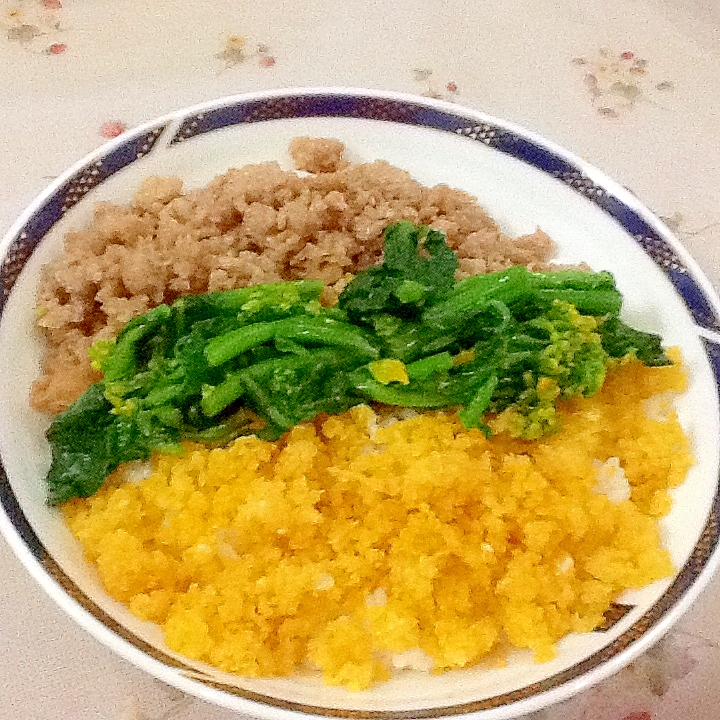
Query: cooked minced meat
<point x="255" y="224"/>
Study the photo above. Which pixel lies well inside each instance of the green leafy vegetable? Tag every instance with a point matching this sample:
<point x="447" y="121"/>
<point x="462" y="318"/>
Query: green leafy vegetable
<point x="418" y="269"/>
<point x="620" y="340"/>
<point x="264" y="358"/>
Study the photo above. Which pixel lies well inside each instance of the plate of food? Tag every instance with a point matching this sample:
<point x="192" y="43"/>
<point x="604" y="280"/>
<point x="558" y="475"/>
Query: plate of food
<point x="340" y="402"/>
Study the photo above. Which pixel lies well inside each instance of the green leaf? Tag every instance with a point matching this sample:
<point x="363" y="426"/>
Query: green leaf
<point x="81" y="457"/>
<point x="417" y="270"/>
<point x="620" y="340"/>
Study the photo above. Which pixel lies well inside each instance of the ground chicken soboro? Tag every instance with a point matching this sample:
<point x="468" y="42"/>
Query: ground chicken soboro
<point x="343" y="544"/>
<point x="251" y="225"/>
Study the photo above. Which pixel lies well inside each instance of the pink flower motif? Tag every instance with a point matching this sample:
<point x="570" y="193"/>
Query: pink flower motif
<point x="112" y="129"/>
<point x="267" y="61"/>
<point x="57" y="49"/>
<point x="627" y="55"/>
<point x="452" y="87"/>
<point x="52" y="4"/>
<point x="642" y="715"/>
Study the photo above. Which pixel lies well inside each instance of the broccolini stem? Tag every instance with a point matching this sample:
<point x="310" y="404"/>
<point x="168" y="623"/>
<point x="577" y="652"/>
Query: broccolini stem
<point x="420" y="369"/>
<point x="472" y="414"/>
<point x="289" y="293"/>
<point x="588" y="302"/>
<point x="573" y="280"/>
<point x="472" y="295"/>
<point x="325" y="331"/>
<point x="217" y="398"/>
<point x="231" y="344"/>
<point x="320" y="330"/>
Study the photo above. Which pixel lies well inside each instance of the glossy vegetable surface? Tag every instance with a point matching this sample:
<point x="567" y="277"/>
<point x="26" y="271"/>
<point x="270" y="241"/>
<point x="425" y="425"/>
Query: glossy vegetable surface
<point x="262" y="359"/>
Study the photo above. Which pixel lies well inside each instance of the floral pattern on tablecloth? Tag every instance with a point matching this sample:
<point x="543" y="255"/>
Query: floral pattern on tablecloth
<point x="617" y="82"/>
<point x="36" y="25"/>
<point x="238" y="50"/>
<point x="428" y="85"/>
<point x="112" y="129"/>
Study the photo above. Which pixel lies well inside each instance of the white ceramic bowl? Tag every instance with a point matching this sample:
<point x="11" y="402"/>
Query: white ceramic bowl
<point x="524" y="182"/>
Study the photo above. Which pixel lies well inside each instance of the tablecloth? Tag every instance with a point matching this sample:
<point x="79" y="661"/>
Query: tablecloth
<point x="632" y="86"/>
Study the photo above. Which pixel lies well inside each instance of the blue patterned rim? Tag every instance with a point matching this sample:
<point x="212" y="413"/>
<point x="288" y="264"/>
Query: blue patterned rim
<point x="512" y="141"/>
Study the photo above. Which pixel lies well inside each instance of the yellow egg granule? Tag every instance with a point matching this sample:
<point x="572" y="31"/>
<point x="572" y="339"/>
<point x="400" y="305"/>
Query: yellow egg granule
<point x="354" y="540"/>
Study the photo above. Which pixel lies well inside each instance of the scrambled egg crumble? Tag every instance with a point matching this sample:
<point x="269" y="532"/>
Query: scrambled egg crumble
<point x="354" y="542"/>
